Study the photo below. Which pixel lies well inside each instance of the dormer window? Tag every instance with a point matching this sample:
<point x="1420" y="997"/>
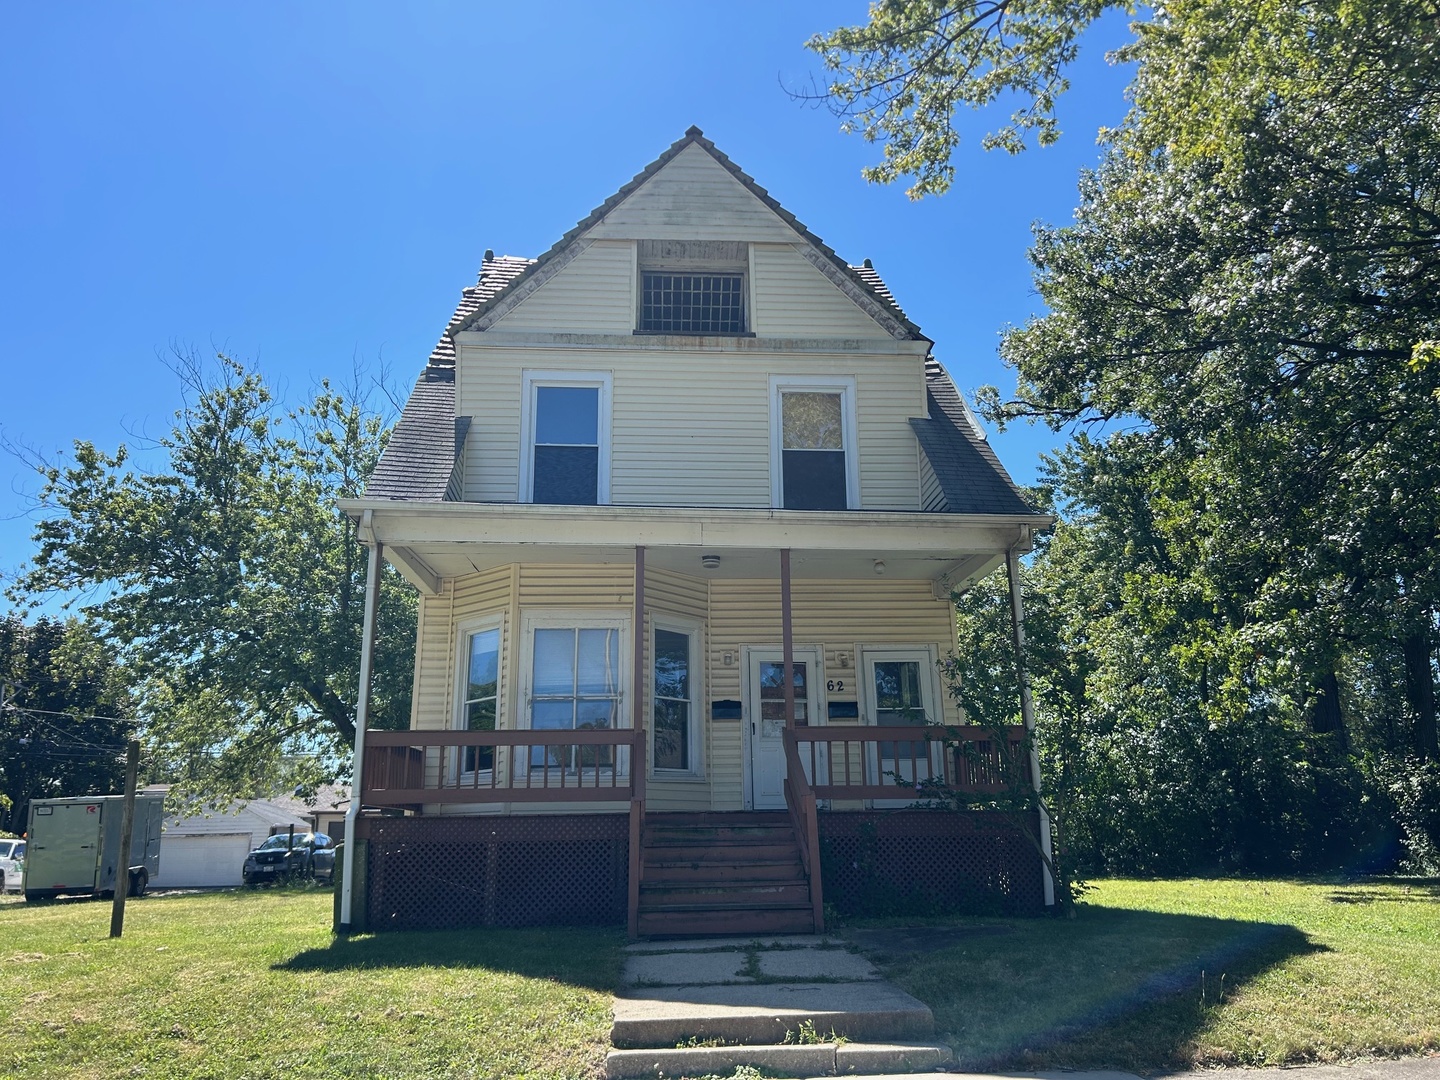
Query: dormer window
<point x="692" y="287"/>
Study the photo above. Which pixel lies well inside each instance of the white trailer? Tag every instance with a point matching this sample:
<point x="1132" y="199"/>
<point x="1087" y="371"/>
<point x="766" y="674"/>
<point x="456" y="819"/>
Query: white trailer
<point x="74" y="845"/>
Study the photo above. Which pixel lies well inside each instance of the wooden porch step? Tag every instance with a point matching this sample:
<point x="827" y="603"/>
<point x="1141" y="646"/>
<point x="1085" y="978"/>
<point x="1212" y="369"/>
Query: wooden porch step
<point x="668" y="835"/>
<point x="694" y="851"/>
<point x="659" y="896"/>
<point x="682" y="872"/>
<point x="705" y="922"/>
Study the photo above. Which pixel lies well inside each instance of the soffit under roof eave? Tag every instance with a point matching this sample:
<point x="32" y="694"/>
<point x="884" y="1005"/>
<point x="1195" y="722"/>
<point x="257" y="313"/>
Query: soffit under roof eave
<point x="419" y="525"/>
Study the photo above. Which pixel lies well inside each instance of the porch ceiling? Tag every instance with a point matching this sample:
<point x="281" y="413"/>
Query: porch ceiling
<point x="433" y="541"/>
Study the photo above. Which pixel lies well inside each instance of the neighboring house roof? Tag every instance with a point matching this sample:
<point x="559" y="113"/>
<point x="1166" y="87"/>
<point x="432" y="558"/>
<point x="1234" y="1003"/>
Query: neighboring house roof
<point x="970" y="475"/>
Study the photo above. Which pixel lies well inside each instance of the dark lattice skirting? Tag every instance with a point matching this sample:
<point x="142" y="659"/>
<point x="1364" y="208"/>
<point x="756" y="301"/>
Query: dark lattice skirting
<point x="530" y="870"/>
<point x="919" y="862"/>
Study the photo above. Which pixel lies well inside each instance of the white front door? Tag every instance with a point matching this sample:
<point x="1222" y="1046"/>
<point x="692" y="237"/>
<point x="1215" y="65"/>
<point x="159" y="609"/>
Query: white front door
<point x="765" y="718"/>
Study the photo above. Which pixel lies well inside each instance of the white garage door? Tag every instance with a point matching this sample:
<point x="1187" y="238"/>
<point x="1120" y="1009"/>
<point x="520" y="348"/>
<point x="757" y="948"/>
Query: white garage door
<point x="195" y="861"/>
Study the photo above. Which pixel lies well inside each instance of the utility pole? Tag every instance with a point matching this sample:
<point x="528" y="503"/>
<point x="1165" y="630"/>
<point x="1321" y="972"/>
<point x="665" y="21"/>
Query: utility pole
<point x="127" y="825"/>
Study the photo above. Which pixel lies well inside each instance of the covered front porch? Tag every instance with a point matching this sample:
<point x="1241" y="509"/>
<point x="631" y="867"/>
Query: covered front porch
<point x="734" y="672"/>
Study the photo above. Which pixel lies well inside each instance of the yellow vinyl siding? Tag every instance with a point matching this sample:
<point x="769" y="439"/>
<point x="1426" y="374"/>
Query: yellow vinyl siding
<point x="693" y="198"/>
<point x="790" y="297"/>
<point x="593" y="293"/>
<point x="693" y="429"/>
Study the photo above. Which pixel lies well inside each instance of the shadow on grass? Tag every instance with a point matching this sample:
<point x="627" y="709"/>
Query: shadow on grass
<point x="577" y="956"/>
<point x="1113" y="988"/>
<point x="1400" y="891"/>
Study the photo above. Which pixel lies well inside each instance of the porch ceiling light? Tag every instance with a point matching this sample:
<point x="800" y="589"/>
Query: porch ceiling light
<point x="710" y="562"/>
<point x="879" y="567"/>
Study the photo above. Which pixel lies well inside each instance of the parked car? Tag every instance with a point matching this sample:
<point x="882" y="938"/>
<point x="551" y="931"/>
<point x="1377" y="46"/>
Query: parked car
<point x="291" y="855"/>
<point x="12" y="865"/>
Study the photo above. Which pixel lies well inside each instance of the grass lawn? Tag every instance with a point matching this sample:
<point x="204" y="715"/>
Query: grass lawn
<point x="1150" y="976"/>
<point x="1156" y="975"/>
<point x="245" y="985"/>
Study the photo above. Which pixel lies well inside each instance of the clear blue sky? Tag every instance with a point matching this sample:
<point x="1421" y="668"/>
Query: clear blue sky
<point x="307" y="185"/>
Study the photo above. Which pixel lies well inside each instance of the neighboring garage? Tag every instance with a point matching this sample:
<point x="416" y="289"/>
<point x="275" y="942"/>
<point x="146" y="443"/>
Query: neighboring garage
<point x="201" y="861"/>
<point x="207" y="850"/>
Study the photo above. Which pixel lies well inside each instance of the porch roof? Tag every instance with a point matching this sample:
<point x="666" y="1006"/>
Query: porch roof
<point x="429" y="542"/>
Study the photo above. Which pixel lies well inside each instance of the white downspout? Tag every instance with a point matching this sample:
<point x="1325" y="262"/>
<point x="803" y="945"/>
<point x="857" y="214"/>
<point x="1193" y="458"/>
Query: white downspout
<point x="362" y="720"/>
<point x="1027" y="708"/>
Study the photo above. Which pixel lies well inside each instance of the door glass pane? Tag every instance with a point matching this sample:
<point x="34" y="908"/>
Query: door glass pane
<point x="554" y="662"/>
<point x="772" y="692"/>
<point x="811" y="421"/>
<point x="567" y="415"/>
<point x="897" y="693"/>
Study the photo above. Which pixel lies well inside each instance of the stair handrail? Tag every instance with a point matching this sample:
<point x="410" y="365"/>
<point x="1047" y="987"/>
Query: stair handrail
<point x="800" y="802"/>
<point x="637" y="826"/>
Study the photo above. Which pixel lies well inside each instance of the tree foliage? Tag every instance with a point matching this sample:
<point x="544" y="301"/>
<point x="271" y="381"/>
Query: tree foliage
<point x="65" y="715"/>
<point x="230" y="582"/>
<point x="899" y="79"/>
<point x="1240" y="330"/>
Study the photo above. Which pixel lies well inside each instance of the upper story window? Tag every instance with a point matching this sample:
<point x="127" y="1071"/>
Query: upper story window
<point x="566" y="438"/>
<point x="692" y="287"/>
<point x="813" y="444"/>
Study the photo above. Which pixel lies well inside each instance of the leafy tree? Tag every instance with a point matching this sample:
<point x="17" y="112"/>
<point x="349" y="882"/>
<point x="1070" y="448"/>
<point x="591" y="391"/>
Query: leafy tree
<point x="65" y="716"/>
<point x="231" y="584"/>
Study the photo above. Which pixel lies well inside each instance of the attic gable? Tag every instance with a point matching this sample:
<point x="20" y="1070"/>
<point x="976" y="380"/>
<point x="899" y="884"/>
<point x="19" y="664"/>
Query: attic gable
<point x="693" y="191"/>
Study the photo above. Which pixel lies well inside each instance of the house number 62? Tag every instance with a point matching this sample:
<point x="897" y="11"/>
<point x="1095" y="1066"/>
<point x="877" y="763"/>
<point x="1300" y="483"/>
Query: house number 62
<point x="835" y="684"/>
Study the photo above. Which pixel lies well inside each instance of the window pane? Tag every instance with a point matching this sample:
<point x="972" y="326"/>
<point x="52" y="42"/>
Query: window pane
<point x="814" y="480"/>
<point x="811" y="422"/>
<point x="592" y="715"/>
<point x="672" y="735"/>
<point x="567" y="415"/>
<point x="552" y="715"/>
<point x="554" y="662"/>
<point x="672" y="664"/>
<point x="599" y="662"/>
<point x="484" y="664"/>
<point x="567" y="475"/>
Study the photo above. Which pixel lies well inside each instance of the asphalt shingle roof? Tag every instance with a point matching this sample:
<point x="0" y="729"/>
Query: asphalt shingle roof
<point x="970" y="475"/>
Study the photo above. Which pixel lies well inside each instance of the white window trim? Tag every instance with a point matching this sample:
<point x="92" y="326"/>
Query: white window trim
<point x="575" y="619"/>
<point x="530" y="381"/>
<point x="464" y="630"/>
<point x="844" y="385"/>
<point x="679" y="625"/>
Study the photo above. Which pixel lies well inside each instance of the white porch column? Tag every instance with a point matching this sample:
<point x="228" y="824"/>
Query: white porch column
<point x="362" y="721"/>
<point x="1027" y="712"/>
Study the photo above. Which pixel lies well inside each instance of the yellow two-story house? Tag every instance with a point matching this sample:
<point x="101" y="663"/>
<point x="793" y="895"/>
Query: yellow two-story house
<point x="684" y="452"/>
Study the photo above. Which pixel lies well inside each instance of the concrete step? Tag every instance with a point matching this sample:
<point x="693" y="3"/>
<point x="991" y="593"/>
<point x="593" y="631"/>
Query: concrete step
<point x="816" y="1059"/>
<point x="748" y="921"/>
<point x="762" y="1014"/>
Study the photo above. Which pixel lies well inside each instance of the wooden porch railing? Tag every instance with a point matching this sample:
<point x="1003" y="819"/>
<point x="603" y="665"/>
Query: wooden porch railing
<point x="800" y="801"/>
<point x="901" y="762"/>
<point x="410" y="768"/>
<point x="407" y="769"/>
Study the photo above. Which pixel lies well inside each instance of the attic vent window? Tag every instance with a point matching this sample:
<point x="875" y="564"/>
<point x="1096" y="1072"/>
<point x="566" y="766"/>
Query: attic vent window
<point x="692" y="287"/>
<point x="693" y="304"/>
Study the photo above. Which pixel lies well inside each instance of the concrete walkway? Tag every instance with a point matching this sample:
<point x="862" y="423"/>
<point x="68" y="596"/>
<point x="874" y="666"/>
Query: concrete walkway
<point x="1422" y="1068"/>
<point x="798" y="1006"/>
